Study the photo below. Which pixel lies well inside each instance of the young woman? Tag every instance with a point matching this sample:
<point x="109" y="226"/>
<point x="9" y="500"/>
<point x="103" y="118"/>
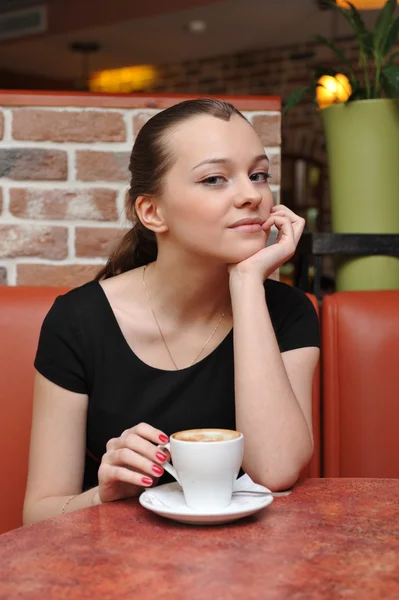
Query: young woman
<point x="182" y="328"/>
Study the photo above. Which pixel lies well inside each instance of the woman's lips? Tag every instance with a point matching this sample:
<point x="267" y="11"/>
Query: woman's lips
<point x="248" y="228"/>
<point x="248" y="225"/>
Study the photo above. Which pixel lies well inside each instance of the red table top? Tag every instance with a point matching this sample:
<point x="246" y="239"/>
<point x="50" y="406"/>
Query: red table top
<point x="331" y="538"/>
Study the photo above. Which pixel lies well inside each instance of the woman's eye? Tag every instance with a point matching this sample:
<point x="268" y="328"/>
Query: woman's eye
<point x="213" y="180"/>
<point x="260" y="177"/>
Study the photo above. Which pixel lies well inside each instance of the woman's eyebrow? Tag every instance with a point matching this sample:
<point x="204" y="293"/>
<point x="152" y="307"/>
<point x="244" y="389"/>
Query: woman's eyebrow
<point x="260" y="157"/>
<point x="214" y="161"/>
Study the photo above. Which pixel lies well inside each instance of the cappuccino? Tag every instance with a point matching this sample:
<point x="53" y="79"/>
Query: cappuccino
<point x="206" y="472"/>
<point x="206" y="435"/>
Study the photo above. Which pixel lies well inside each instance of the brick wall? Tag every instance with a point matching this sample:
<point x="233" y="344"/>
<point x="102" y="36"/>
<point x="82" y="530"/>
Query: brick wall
<point x="64" y="179"/>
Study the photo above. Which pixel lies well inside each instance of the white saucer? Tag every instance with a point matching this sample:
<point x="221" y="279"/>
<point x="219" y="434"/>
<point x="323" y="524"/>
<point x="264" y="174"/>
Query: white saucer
<point x="173" y="506"/>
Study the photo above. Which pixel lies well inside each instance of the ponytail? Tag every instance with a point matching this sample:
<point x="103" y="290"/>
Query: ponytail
<point x="137" y="248"/>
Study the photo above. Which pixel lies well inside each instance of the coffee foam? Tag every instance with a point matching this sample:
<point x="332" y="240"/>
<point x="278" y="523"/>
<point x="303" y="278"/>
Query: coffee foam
<point x="206" y="435"/>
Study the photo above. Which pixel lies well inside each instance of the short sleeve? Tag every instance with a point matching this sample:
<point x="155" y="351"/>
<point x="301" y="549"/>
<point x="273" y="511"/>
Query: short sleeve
<point x="59" y="356"/>
<point x="293" y="315"/>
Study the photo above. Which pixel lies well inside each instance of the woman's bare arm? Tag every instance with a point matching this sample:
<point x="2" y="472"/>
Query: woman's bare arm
<point x="57" y="452"/>
<point x="273" y="392"/>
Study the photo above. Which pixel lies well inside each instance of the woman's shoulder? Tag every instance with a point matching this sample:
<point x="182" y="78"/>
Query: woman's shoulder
<point x="81" y="294"/>
<point x="79" y="302"/>
<point x="67" y="337"/>
<point x="94" y="298"/>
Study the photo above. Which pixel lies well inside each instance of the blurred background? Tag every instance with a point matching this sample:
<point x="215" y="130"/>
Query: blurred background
<point x="237" y="47"/>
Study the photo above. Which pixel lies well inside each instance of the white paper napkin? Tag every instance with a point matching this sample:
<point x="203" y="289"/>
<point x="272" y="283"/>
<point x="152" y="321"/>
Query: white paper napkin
<point x="171" y="496"/>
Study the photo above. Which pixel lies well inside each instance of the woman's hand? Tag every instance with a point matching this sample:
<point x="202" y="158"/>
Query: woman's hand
<point x="262" y="264"/>
<point x="132" y="462"/>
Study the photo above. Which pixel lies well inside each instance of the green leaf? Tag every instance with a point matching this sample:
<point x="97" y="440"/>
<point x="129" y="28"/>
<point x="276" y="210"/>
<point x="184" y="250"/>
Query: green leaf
<point x="294" y="98"/>
<point x="355" y="85"/>
<point x="360" y="93"/>
<point x="387" y="88"/>
<point x="363" y="35"/>
<point x="390" y="76"/>
<point x="346" y="13"/>
<point x="392" y="58"/>
<point x="383" y="26"/>
<point x="336" y="50"/>
<point x="368" y="42"/>
<point x="392" y="36"/>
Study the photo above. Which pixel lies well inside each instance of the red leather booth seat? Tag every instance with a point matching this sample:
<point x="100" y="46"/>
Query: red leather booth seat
<point x="314" y="467"/>
<point x="22" y="311"/>
<point x="360" y="366"/>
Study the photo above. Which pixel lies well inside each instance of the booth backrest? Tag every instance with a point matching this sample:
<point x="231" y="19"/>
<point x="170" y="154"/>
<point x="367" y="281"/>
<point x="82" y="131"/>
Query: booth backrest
<point x="22" y="311"/>
<point x="314" y="467"/>
<point x="360" y="372"/>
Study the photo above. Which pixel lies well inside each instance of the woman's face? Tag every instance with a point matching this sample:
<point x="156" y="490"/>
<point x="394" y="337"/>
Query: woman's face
<point x="219" y="177"/>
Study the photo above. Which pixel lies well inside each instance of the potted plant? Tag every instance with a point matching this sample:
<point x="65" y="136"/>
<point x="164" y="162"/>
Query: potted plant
<point x="362" y="141"/>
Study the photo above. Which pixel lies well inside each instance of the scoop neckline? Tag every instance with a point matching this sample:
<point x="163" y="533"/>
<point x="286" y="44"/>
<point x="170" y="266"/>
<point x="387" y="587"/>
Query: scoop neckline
<point x="137" y="358"/>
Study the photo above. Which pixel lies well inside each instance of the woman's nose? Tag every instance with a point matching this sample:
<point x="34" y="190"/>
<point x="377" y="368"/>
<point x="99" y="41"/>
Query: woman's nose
<point x="248" y="194"/>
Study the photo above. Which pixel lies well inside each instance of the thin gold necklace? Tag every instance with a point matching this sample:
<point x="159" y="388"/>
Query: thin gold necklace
<point x="162" y="335"/>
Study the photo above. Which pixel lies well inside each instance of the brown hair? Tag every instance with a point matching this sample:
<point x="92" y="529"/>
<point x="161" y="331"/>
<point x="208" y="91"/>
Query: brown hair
<point x="149" y="162"/>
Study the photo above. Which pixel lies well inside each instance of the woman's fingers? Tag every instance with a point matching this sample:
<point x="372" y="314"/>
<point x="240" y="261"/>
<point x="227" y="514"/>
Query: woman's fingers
<point x="148" y="432"/>
<point x="125" y="465"/>
<point x="285" y="228"/>
<point x="156" y="436"/>
<point x="142" y="446"/>
<point x="134" y="461"/>
<point x="134" y="457"/>
<point x="142" y="438"/>
<point x="298" y="223"/>
<point x="143" y="430"/>
<point x="108" y="473"/>
<point x="131" y="444"/>
<point x="281" y="208"/>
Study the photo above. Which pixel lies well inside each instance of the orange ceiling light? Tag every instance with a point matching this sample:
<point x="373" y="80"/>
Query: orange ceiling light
<point x="363" y="4"/>
<point x="125" y="80"/>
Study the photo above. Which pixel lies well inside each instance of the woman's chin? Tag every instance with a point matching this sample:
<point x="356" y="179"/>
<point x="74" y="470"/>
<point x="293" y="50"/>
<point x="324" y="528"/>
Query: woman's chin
<point x="242" y="253"/>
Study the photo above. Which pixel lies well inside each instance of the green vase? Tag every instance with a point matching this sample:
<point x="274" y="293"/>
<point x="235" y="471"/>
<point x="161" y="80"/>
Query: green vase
<point x="362" y="140"/>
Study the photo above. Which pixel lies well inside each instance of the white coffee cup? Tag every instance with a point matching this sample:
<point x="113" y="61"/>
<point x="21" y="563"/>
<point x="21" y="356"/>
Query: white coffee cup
<point x="206" y="463"/>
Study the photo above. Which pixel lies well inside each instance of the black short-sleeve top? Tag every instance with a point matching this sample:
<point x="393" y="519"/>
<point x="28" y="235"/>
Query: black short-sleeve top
<point x="82" y="348"/>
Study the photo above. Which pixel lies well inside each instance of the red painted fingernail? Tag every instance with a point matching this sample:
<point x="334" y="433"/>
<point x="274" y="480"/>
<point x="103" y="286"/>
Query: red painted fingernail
<point x="161" y="456"/>
<point x="147" y="481"/>
<point x="163" y="438"/>
<point x="157" y="470"/>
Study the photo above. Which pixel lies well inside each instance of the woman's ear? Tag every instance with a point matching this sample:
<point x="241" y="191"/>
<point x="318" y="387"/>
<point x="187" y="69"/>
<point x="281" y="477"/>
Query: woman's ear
<point x="150" y="214"/>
